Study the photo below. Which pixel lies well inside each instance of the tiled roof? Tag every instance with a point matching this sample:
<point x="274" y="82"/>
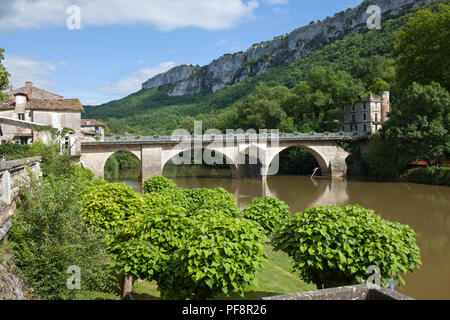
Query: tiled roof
<point x="45" y="104"/>
<point x="91" y="123"/>
<point x="35" y="93"/>
<point x="50" y="104"/>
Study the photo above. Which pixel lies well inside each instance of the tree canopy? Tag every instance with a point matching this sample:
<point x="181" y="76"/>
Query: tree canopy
<point x="4" y="75"/>
<point x="421" y="49"/>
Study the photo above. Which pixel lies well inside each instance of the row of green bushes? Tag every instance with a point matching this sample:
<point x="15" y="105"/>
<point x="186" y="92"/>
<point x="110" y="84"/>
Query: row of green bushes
<point x="196" y="243"/>
<point x="428" y="175"/>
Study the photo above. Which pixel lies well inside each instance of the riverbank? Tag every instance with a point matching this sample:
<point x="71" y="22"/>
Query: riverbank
<point x="439" y="176"/>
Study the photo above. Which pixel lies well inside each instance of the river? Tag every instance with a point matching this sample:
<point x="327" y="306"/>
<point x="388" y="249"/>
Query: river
<point x="424" y="208"/>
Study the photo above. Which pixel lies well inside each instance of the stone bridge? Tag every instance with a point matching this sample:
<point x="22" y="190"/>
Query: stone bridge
<point x="155" y="152"/>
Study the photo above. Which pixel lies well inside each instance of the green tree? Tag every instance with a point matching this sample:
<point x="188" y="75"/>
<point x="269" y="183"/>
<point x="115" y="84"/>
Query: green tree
<point x="318" y="100"/>
<point x="421" y="49"/>
<point x="263" y="109"/>
<point x="49" y="234"/>
<point x="269" y="212"/>
<point x="333" y="246"/>
<point x="420" y="125"/>
<point x="4" y="75"/>
<point x="161" y="235"/>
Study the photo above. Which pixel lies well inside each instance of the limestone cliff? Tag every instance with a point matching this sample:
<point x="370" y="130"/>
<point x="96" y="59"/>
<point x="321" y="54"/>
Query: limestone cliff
<point x="229" y="69"/>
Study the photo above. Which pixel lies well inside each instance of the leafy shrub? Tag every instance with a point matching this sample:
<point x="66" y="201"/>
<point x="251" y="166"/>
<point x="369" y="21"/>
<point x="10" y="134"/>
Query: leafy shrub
<point x="145" y="245"/>
<point x="429" y="175"/>
<point x="269" y="212"/>
<point x="49" y="235"/>
<point x="220" y="254"/>
<point x="217" y="199"/>
<point x="14" y="151"/>
<point x="333" y="246"/>
<point x="159" y="184"/>
<point x="108" y="206"/>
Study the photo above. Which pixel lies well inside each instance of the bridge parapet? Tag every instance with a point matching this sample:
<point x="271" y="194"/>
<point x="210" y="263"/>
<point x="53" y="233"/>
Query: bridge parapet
<point x="235" y="137"/>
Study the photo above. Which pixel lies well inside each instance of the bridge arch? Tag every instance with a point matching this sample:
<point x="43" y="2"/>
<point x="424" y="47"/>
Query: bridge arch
<point x="316" y="152"/>
<point x="95" y="158"/>
<point x="228" y="156"/>
<point x="123" y="158"/>
<point x="331" y="158"/>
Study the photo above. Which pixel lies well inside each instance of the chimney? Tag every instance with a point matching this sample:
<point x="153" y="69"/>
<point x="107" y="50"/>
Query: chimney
<point x="385" y="105"/>
<point x="28" y="84"/>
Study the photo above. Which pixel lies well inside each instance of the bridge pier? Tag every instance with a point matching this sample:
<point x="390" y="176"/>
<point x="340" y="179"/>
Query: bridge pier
<point x="151" y="162"/>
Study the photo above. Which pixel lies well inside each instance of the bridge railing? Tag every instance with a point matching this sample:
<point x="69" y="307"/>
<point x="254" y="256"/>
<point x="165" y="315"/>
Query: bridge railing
<point x="268" y="136"/>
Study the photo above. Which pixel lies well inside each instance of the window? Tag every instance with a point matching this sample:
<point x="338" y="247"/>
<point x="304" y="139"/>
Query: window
<point x="66" y="143"/>
<point x="365" y="116"/>
<point x="354" y="117"/>
<point x="365" y="128"/>
<point x="365" y="106"/>
<point x="96" y="129"/>
<point x="376" y="117"/>
<point x="21" y="116"/>
<point x="376" y="106"/>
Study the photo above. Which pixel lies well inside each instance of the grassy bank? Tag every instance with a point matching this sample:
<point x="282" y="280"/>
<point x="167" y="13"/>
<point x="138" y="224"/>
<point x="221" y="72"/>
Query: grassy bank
<point x="275" y="278"/>
<point x="428" y="175"/>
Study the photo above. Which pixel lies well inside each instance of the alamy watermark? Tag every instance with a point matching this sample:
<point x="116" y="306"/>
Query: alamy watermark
<point x="74" y="20"/>
<point x="374" y="281"/>
<point x="74" y="281"/>
<point x="374" y="20"/>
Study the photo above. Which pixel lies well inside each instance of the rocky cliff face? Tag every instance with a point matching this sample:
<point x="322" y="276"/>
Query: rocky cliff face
<point x="229" y="69"/>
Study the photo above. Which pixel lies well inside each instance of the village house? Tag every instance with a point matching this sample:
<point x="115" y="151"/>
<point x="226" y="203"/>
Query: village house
<point x="366" y="115"/>
<point x="91" y="130"/>
<point x="29" y="108"/>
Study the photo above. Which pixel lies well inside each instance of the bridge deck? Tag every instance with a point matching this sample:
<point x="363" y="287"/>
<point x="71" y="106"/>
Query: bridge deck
<point x="238" y="137"/>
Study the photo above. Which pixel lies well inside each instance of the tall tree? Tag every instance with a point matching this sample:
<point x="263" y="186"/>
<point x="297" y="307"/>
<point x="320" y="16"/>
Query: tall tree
<point x="419" y="127"/>
<point x="4" y="75"/>
<point x="318" y="101"/>
<point x="421" y="49"/>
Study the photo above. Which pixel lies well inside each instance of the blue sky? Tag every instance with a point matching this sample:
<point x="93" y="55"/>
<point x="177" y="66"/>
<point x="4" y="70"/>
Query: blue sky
<point x="124" y="43"/>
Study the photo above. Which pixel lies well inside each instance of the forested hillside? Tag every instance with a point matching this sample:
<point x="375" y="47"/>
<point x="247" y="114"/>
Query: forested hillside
<point x="362" y="61"/>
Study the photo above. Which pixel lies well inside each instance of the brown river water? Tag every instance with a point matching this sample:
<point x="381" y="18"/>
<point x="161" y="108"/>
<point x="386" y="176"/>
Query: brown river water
<point x="424" y="208"/>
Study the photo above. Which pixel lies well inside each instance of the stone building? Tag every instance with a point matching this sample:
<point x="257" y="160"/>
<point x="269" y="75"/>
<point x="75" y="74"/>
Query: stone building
<point x="366" y="115"/>
<point x="92" y="129"/>
<point x="30" y="107"/>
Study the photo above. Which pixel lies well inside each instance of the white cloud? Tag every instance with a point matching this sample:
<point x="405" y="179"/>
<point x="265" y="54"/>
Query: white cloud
<point x="165" y="15"/>
<point x="93" y="102"/>
<point x="277" y="2"/>
<point x="24" y="69"/>
<point x="222" y="42"/>
<point x="133" y="82"/>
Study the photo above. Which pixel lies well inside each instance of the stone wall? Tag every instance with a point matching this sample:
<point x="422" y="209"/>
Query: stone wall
<point x="12" y="287"/>
<point x="356" y="292"/>
<point x="11" y="174"/>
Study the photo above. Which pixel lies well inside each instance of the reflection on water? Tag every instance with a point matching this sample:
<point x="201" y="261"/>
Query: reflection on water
<point x="424" y="208"/>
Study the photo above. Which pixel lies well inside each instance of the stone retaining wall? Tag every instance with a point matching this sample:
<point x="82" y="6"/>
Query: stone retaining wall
<point x="11" y="174"/>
